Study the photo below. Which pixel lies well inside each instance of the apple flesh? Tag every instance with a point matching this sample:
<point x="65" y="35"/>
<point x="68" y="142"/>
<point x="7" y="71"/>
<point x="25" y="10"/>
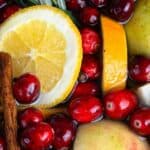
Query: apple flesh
<point x="138" y="29"/>
<point x="107" y="135"/>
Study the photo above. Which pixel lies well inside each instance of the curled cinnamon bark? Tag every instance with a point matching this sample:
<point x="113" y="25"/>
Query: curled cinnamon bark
<point x="8" y="102"/>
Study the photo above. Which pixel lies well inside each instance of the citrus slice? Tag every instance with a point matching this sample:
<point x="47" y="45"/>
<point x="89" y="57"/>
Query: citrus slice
<point x="44" y="41"/>
<point x="114" y="55"/>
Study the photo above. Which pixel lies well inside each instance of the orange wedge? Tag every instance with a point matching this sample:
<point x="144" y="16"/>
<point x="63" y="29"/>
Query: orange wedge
<point x="114" y="55"/>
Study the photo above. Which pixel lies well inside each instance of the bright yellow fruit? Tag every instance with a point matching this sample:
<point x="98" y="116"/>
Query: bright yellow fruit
<point x="114" y="55"/>
<point x="44" y="41"/>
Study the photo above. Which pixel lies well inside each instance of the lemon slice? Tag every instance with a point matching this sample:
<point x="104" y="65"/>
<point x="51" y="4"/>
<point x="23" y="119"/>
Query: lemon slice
<point x="114" y="55"/>
<point x="44" y="41"/>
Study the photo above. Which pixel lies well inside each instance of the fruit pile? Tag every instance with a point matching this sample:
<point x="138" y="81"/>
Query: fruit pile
<point x="107" y="94"/>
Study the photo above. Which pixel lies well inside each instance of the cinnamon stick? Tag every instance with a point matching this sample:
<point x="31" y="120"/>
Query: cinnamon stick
<point x="8" y="102"/>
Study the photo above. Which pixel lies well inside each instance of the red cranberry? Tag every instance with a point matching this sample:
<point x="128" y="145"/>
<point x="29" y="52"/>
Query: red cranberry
<point x="99" y="3"/>
<point x="140" y="121"/>
<point x="91" y="67"/>
<point x="37" y="137"/>
<point x="65" y="130"/>
<point x="84" y="89"/>
<point x="26" y="88"/>
<point x="29" y="117"/>
<point x="75" y="5"/>
<point x="2" y="144"/>
<point x="85" y="109"/>
<point x="89" y="16"/>
<point x="139" y="70"/>
<point x="121" y="10"/>
<point x="119" y="104"/>
<point x="91" y="41"/>
<point x="9" y="10"/>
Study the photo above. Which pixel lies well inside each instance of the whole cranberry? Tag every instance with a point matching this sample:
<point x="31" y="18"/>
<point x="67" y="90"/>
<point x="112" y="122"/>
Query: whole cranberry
<point x="91" y="67"/>
<point x="75" y="5"/>
<point x="99" y="3"/>
<point x="2" y="144"/>
<point x="91" y="41"/>
<point x="30" y="116"/>
<point x="37" y="137"/>
<point x="87" y="88"/>
<point x="89" y="16"/>
<point x="119" y="104"/>
<point x="65" y="130"/>
<point x="85" y="109"/>
<point x="121" y="10"/>
<point x="9" y="10"/>
<point x="26" y="88"/>
<point x="140" y="121"/>
<point x="139" y="69"/>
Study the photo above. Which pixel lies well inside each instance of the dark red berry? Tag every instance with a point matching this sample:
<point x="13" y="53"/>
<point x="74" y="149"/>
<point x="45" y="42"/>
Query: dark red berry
<point x="119" y="104"/>
<point x="9" y="10"/>
<point x="87" y="88"/>
<point x="2" y="144"/>
<point x="89" y="16"/>
<point x="37" y="137"/>
<point x="99" y="3"/>
<point x="91" y="41"/>
<point x="26" y="88"/>
<point x="91" y="67"/>
<point x="140" y="121"/>
<point x="65" y="130"/>
<point x="3" y="3"/>
<point x="75" y="5"/>
<point x="30" y="116"/>
<point x="121" y="10"/>
<point x="139" y="69"/>
<point x="85" y="109"/>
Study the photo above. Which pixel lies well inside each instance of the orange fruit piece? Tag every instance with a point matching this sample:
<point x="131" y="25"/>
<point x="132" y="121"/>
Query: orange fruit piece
<point x="114" y="55"/>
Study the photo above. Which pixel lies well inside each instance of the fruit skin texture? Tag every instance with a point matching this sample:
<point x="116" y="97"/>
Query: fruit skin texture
<point x="107" y="135"/>
<point x="85" y="109"/>
<point x="65" y="130"/>
<point x="2" y="144"/>
<point x="26" y="88"/>
<point x="119" y="104"/>
<point x="139" y="69"/>
<point x="30" y="116"/>
<point x="75" y="5"/>
<point x="140" y="24"/>
<point x="91" y="41"/>
<point x="140" y="121"/>
<point x="89" y="16"/>
<point x="99" y="3"/>
<point x="87" y="88"/>
<point x="37" y="137"/>
<point x="91" y="67"/>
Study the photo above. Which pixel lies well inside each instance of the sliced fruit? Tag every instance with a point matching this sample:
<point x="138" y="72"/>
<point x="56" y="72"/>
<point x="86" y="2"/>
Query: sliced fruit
<point x="44" y="41"/>
<point x="114" y="55"/>
<point x="107" y="135"/>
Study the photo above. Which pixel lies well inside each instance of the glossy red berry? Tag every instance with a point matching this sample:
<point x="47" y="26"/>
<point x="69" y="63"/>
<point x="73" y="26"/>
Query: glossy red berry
<point x="121" y="10"/>
<point x="30" y="116"/>
<point x="139" y="69"/>
<point x="91" y="67"/>
<point x="37" y="137"/>
<point x="89" y="16"/>
<point x="87" y="88"/>
<point x="65" y="130"/>
<point x="2" y="3"/>
<point x="2" y="144"/>
<point x="75" y="5"/>
<point x="91" y="41"/>
<point x="9" y="10"/>
<point x="140" y="121"/>
<point x="119" y="104"/>
<point x="99" y="3"/>
<point x="85" y="109"/>
<point x="26" y="88"/>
